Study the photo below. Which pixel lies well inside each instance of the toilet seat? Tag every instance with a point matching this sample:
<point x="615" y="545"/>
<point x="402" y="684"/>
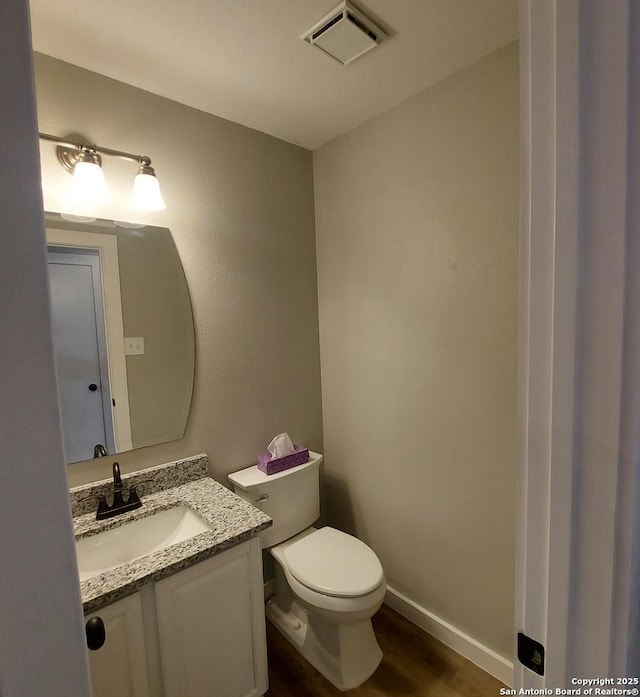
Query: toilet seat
<point x="333" y="563"/>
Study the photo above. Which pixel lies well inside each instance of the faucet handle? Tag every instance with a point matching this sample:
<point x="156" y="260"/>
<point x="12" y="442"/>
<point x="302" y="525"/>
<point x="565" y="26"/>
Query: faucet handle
<point x="134" y="499"/>
<point x="103" y="507"/>
<point x="134" y="496"/>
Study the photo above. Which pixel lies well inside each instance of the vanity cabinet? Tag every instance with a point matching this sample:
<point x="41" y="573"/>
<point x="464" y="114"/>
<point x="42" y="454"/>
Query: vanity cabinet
<point x="212" y="628"/>
<point x="119" y="667"/>
<point x="197" y="633"/>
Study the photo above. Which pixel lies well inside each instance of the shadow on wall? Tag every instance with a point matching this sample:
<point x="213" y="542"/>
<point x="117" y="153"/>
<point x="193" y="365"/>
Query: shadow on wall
<point x="336" y="505"/>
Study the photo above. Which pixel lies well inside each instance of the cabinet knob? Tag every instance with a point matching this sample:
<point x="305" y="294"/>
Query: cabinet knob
<point x="96" y="633"/>
<point x="93" y="387"/>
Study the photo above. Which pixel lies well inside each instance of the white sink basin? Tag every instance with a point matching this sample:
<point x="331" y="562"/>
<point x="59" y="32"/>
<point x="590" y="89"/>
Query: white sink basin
<point x="106" y="550"/>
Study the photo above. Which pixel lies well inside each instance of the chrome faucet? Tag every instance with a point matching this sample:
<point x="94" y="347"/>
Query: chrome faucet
<point x="119" y="504"/>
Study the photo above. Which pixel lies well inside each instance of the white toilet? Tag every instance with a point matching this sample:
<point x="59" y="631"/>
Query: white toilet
<point x="328" y="584"/>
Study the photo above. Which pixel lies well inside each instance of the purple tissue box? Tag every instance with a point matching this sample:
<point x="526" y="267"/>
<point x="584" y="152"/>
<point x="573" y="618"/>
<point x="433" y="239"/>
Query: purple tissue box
<point x="299" y="456"/>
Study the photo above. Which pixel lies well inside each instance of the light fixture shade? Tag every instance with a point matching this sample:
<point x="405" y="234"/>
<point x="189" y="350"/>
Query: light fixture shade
<point x="146" y="194"/>
<point x="88" y="188"/>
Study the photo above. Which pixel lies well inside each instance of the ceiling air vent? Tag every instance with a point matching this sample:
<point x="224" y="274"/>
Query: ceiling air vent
<point x="344" y="34"/>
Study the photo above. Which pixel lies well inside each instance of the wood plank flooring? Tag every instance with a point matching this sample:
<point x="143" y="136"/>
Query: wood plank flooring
<point x="414" y="665"/>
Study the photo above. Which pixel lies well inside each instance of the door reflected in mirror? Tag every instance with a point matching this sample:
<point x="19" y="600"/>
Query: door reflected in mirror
<point x="123" y="335"/>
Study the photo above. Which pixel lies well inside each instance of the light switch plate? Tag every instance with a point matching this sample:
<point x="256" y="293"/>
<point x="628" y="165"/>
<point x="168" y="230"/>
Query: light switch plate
<point x="133" y="346"/>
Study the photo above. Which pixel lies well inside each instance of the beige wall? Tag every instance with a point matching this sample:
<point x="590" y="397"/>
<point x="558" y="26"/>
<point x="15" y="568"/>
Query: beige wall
<point x="240" y="207"/>
<point x="417" y="242"/>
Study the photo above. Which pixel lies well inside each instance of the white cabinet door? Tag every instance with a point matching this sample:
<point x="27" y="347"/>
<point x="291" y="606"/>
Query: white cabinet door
<point x="119" y="668"/>
<point x="211" y="627"/>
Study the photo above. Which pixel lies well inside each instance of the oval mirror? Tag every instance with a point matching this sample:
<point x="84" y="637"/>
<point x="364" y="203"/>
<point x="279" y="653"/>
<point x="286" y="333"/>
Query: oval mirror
<point x="123" y="335"/>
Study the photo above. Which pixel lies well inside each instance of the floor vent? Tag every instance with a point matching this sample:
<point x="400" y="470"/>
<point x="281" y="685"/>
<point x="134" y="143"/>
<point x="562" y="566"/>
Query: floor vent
<point x="344" y="34"/>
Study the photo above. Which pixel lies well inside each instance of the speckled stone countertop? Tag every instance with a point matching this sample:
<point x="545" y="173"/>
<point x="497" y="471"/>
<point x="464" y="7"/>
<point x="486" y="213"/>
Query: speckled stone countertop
<point x="185" y="482"/>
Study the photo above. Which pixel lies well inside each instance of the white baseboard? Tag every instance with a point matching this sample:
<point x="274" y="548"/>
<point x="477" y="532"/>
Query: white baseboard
<point x="470" y="648"/>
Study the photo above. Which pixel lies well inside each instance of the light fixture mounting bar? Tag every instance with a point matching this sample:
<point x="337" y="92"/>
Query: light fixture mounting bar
<point x="70" y="145"/>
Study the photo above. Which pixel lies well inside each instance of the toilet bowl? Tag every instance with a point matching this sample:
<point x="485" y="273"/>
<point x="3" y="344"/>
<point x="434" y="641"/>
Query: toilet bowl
<point x="328" y="584"/>
<point x="328" y="587"/>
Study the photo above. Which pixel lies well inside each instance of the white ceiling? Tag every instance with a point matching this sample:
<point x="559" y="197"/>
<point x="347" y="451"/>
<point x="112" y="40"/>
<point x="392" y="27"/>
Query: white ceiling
<point x="244" y="59"/>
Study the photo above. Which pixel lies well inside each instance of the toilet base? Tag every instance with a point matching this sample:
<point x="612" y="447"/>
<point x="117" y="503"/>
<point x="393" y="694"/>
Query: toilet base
<point x="346" y="654"/>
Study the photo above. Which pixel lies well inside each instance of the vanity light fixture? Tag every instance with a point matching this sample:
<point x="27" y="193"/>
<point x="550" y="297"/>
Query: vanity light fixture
<point x="89" y="187"/>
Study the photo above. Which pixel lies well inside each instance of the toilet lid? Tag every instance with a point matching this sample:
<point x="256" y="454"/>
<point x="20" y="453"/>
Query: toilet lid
<point x="333" y="563"/>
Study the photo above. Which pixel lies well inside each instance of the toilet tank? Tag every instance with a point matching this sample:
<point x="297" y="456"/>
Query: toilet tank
<point x="291" y="497"/>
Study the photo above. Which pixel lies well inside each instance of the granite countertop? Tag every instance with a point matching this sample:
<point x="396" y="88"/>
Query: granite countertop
<point x="186" y="482"/>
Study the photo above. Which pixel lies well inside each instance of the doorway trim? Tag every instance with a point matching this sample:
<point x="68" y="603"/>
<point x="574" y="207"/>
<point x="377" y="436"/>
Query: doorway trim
<point x="107" y="247"/>
<point x="579" y="377"/>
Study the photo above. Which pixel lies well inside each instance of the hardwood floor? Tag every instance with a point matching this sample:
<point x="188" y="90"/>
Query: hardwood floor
<point x="414" y="665"/>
